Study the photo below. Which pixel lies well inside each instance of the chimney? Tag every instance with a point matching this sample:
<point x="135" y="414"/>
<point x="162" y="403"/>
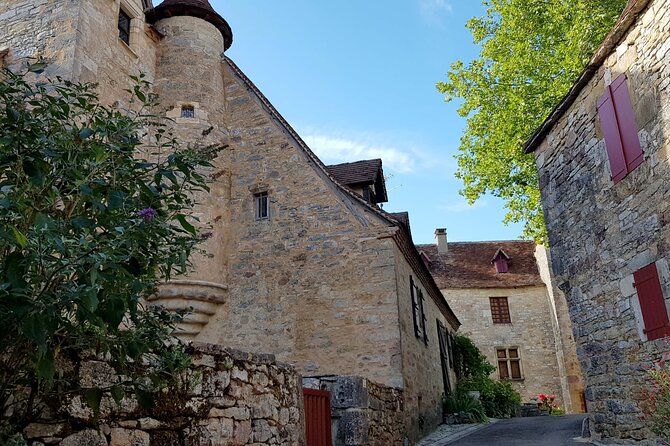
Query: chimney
<point x="441" y="240"/>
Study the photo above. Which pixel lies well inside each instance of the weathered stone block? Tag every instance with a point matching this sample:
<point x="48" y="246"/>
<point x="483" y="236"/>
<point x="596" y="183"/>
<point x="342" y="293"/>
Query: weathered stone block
<point x="128" y="437"/>
<point x="87" y="437"/>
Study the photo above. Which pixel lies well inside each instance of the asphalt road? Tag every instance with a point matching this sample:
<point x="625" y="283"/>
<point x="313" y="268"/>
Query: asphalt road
<point x="533" y="431"/>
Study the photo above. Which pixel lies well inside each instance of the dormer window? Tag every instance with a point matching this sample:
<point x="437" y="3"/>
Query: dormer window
<point x="124" y="26"/>
<point x="501" y="261"/>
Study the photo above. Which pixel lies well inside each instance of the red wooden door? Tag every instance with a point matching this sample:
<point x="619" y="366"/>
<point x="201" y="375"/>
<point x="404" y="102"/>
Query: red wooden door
<point x="317" y="417"/>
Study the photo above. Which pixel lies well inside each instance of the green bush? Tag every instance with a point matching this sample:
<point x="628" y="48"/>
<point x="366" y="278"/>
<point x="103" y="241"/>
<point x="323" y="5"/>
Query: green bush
<point x="464" y="404"/>
<point x="468" y="359"/>
<point x="499" y="398"/>
<point x="95" y="212"/>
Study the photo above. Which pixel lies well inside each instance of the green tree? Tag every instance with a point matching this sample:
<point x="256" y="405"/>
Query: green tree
<point x="93" y="216"/>
<point x="532" y="51"/>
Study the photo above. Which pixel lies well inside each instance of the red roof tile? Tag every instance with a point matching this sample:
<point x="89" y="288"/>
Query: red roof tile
<point x="468" y="264"/>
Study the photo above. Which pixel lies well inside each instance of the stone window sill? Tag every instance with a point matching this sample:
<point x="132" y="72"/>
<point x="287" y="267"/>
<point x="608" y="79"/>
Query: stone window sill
<point x="128" y="48"/>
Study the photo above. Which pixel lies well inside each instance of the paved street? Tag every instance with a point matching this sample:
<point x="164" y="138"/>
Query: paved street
<point x="545" y="431"/>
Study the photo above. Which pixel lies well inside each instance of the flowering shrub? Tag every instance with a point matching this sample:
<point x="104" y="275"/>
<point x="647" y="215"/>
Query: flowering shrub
<point x="94" y="214"/>
<point x="547" y="403"/>
<point x="656" y="400"/>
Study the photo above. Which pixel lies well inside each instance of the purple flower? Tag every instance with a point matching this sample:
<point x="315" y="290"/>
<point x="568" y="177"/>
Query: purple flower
<point x="206" y="235"/>
<point x="148" y="214"/>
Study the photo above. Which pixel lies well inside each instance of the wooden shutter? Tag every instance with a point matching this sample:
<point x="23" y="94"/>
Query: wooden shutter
<point x="617" y="120"/>
<point x="652" y="303"/>
<point x="415" y="307"/>
<point x="423" y="318"/>
<point x="443" y="339"/>
<point x="500" y="310"/>
<point x="610" y="127"/>
<point x="626" y="120"/>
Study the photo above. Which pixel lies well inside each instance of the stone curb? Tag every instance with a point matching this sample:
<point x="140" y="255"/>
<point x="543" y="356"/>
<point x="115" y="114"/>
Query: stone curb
<point x="446" y="434"/>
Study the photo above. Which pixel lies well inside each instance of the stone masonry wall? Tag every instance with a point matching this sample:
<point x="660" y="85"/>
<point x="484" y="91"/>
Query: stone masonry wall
<point x="32" y="28"/>
<point x="364" y="413"/>
<point x="570" y="375"/>
<point x="422" y="370"/>
<point x="80" y="41"/>
<point x="234" y="398"/>
<point x="315" y="282"/>
<point x="531" y="331"/>
<point x="600" y="233"/>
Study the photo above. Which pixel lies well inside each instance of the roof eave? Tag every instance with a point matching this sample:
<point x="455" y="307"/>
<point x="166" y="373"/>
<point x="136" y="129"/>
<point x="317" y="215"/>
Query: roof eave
<point x="608" y="45"/>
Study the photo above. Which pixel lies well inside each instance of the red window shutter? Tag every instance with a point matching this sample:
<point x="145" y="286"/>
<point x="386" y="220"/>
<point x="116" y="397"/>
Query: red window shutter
<point x="652" y="302"/>
<point x="610" y="127"/>
<point x="626" y="119"/>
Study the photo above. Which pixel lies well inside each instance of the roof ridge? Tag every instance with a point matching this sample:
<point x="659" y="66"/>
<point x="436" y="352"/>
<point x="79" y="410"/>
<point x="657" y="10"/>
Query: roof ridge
<point x="479" y="241"/>
<point x="300" y="141"/>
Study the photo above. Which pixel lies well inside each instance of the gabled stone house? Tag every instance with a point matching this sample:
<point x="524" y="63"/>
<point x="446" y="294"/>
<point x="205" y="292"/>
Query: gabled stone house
<point x="504" y="297"/>
<point x="303" y="264"/>
<point x="603" y="163"/>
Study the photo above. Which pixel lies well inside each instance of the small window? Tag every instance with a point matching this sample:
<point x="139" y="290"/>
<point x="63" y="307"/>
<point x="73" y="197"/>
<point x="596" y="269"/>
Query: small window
<point x="262" y="204"/>
<point x="617" y="120"/>
<point x="652" y="303"/>
<point x="187" y="111"/>
<point x="124" y="26"/>
<point x="500" y="310"/>
<point x="509" y="363"/>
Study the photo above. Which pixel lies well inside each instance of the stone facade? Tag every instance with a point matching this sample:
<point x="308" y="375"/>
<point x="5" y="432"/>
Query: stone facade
<point x="364" y="413"/>
<point x="321" y="283"/>
<point x="228" y="398"/>
<point x="601" y="231"/>
<point x="540" y="326"/>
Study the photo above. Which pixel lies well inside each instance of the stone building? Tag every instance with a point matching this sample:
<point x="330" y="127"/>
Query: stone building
<point x="507" y="304"/>
<point x="304" y="264"/>
<point x="603" y="162"/>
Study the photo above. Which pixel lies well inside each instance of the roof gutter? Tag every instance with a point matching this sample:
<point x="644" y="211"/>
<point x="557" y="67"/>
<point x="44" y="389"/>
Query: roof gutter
<point x="627" y="19"/>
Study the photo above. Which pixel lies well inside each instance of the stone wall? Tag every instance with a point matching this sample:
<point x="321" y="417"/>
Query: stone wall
<point x="531" y="331"/>
<point x="570" y="375"/>
<point x="80" y="41"/>
<point x="32" y="28"/>
<point x="231" y="398"/>
<point x="600" y="233"/>
<point x="422" y="368"/>
<point x="314" y="283"/>
<point x="364" y="413"/>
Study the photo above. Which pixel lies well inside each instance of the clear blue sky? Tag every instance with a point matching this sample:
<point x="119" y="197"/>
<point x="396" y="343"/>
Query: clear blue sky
<point x="356" y="79"/>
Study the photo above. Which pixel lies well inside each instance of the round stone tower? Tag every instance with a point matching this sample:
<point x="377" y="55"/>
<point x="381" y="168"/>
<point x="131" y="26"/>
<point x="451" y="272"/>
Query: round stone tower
<point x="190" y="85"/>
<point x="189" y="77"/>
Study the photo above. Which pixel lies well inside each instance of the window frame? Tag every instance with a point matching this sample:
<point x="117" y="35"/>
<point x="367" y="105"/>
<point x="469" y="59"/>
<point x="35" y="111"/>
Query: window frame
<point x="262" y="203"/>
<point x="498" y="313"/>
<point x="187" y="111"/>
<point x="507" y="360"/>
<point x="127" y="32"/>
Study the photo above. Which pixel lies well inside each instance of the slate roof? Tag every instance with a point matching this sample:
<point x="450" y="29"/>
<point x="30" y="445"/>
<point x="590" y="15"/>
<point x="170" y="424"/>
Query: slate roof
<point x="194" y="8"/>
<point x="361" y="173"/>
<point x="468" y="264"/>
<point x="402" y="218"/>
